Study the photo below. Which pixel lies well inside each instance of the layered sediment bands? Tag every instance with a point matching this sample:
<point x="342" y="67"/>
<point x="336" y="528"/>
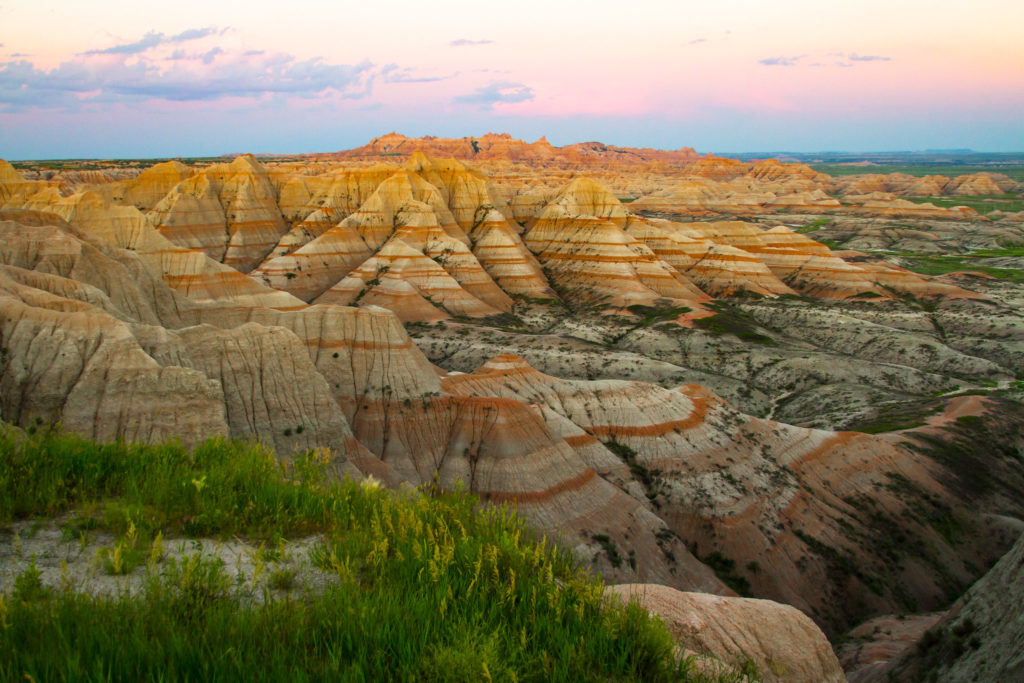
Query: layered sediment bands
<point x="787" y="507"/>
<point x="502" y="253"/>
<point x="585" y="197"/>
<point x="594" y="260"/>
<point x="464" y="191"/>
<point x="85" y="370"/>
<point x="67" y="360"/>
<point x="364" y="353"/>
<point x="505" y="148"/>
<point x="801" y="263"/>
<point x="229" y="211"/>
<point x="147" y="189"/>
<point x="420" y="265"/>
<point x="887" y="204"/>
<point x="114" y="358"/>
<point x="979" y="184"/>
<point x="334" y="194"/>
<point x="188" y="271"/>
<point x="503" y="450"/>
<point x="311" y="269"/>
<point x="13" y="184"/>
<point x="717" y="269"/>
<point x="302" y="233"/>
<point x="382" y="213"/>
<point x="271" y="387"/>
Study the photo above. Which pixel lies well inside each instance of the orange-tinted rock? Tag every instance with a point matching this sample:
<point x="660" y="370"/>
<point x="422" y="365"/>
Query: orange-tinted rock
<point x="502" y="253"/>
<point x="190" y="272"/>
<point x="978" y="184"/>
<point x="228" y="210"/>
<point x="593" y="259"/>
<point x="335" y="194"/>
<point x="13" y="184"/>
<point x="717" y="269"/>
<point x="504" y="147"/>
<point x="149" y="187"/>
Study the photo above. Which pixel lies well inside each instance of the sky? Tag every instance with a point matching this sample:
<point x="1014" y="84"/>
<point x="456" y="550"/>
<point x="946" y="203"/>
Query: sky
<point x="129" y="79"/>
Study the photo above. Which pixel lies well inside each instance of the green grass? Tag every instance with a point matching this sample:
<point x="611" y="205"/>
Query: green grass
<point x="424" y="585"/>
<point x="650" y="315"/>
<point x="929" y="264"/>
<point x="949" y="170"/>
<point x="814" y="225"/>
<point x="981" y="204"/>
<point x="730" y="320"/>
<point x="897" y="417"/>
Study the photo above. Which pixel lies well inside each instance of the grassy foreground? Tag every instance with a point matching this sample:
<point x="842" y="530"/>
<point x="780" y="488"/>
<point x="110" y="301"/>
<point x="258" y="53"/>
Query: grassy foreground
<point x="422" y="585"/>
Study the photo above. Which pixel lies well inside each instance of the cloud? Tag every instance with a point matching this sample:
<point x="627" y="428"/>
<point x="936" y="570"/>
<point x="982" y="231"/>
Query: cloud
<point x="84" y="81"/>
<point x="20" y="54"/>
<point x="780" y="61"/>
<point x="153" y="39"/>
<point x="209" y="56"/>
<point x="465" y="42"/>
<point x="695" y="41"/>
<point x="869" y="58"/>
<point x="392" y="73"/>
<point x="497" y="92"/>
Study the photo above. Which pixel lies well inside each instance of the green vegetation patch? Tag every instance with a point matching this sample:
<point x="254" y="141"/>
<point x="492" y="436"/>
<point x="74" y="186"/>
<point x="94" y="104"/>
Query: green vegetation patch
<point x="730" y="320"/>
<point x="898" y="417"/>
<point x="931" y="264"/>
<point x="941" y="646"/>
<point x="422" y="585"/>
<point x="650" y="315"/>
<point x="981" y="204"/>
<point x="725" y="569"/>
<point x="814" y="225"/>
<point x="949" y="170"/>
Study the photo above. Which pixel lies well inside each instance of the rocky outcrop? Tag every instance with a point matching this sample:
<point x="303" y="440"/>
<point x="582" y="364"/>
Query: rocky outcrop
<point x="579" y="241"/>
<point x="13" y="184"/>
<point x="188" y="271"/>
<point x="229" y="211"/>
<point x="151" y="185"/>
<point x="979" y="638"/>
<point x="724" y="633"/>
<point x="504" y="147"/>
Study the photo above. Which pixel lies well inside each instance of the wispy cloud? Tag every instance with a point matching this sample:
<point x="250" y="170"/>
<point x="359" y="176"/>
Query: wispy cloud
<point x="497" y="92"/>
<point x="869" y="58"/>
<point x="844" y="60"/>
<point x="392" y="73"/>
<point x="466" y="42"/>
<point x="20" y="54"/>
<point x="780" y="61"/>
<point x="154" y="39"/>
<point x="213" y="75"/>
<point x="695" y="41"/>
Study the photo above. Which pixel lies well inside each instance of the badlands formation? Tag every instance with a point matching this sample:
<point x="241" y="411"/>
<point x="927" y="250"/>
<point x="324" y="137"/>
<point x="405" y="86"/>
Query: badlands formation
<point x="716" y="376"/>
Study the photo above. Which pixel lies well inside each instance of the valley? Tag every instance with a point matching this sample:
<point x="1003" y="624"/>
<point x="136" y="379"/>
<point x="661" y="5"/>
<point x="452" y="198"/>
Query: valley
<point x="722" y="376"/>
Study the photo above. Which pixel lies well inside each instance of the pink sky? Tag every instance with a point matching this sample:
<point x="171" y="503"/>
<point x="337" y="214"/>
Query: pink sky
<point x="117" y="79"/>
